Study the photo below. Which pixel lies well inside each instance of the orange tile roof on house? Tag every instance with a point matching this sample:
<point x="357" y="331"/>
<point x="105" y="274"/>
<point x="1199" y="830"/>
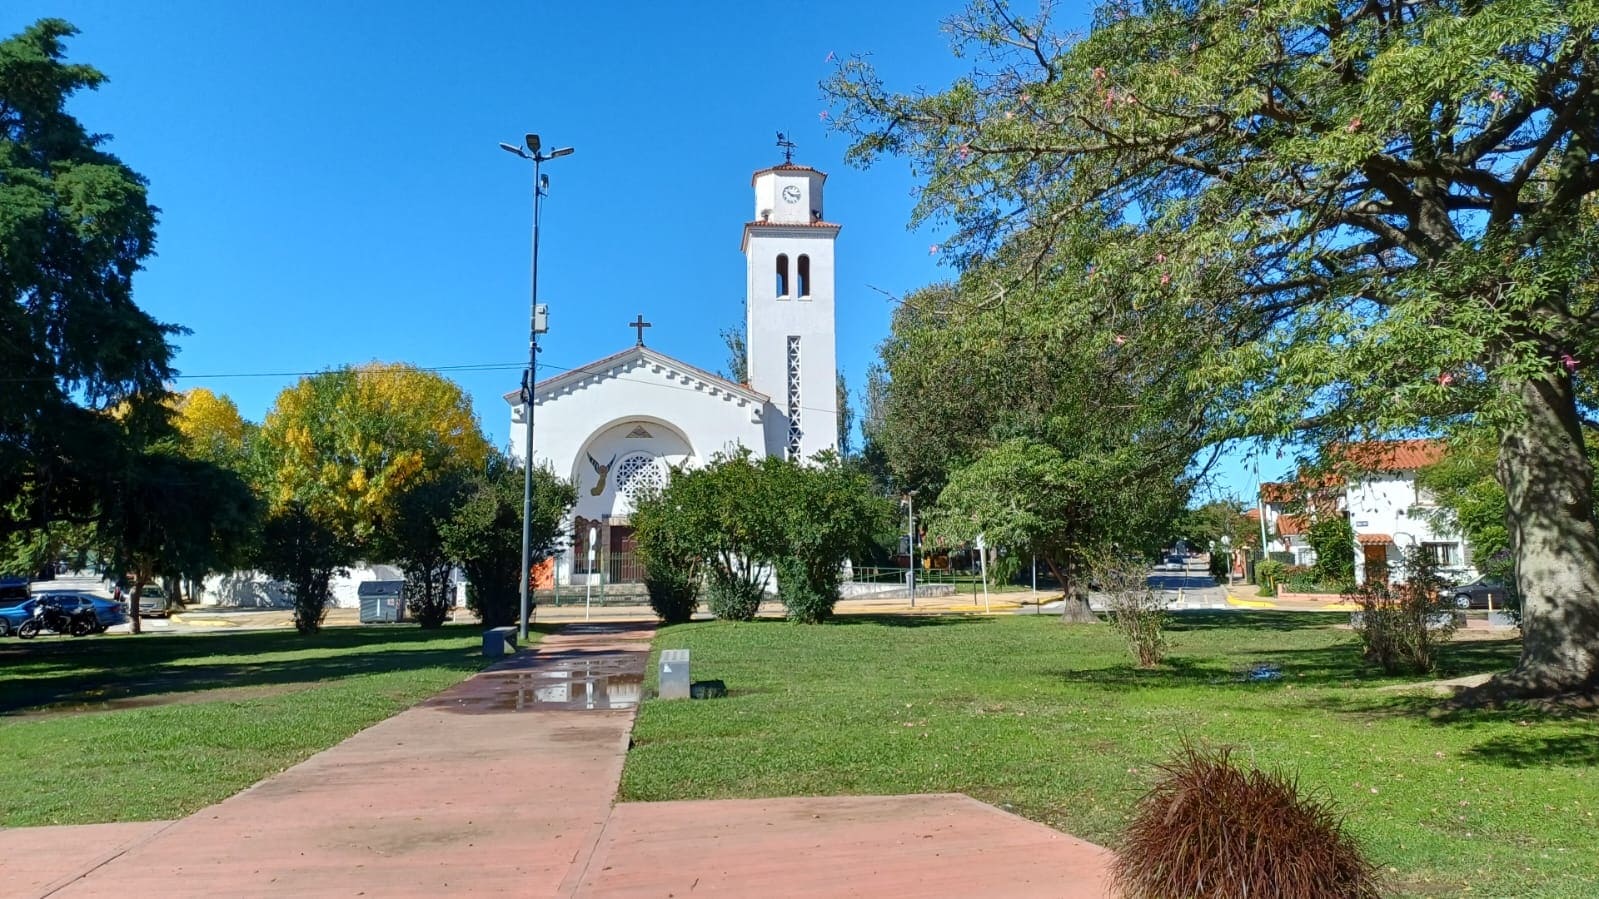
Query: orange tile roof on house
<point x="1291" y="525"/>
<point x="1390" y="455"/>
<point x="1373" y="539"/>
<point x="1279" y="491"/>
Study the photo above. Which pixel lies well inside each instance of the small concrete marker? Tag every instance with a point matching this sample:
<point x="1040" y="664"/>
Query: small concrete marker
<point x="674" y="682"/>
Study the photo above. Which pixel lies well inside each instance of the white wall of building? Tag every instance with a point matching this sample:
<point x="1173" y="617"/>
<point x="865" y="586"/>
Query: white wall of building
<point x="1389" y="503"/>
<point x="643" y="387"/>
<point x="791" y="230"/>
<point x="254" y="590"/>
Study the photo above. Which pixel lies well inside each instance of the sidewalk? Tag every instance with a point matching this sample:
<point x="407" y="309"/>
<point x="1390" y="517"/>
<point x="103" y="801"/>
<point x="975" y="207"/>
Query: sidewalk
<point x="446" y="798"/>
<point x="504" y="785"/>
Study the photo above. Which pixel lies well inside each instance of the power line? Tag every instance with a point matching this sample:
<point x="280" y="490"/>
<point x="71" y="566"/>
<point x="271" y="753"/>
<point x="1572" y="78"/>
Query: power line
<point x="387" y="366"/>
<point x="402" y="366"/>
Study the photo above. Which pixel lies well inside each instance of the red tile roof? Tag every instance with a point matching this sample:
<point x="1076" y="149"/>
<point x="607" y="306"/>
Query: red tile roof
<point x="1373" y="539"/>
<point x="1390" y="455"/>
<point x="1291" y="525"/>
<point x="1280" y="491"/>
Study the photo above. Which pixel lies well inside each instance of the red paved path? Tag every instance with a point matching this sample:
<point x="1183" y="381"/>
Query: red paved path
<point x="475" y="793"/>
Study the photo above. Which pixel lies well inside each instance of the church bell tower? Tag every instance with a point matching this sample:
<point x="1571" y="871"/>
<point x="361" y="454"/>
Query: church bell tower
<point x="789" y="332"/>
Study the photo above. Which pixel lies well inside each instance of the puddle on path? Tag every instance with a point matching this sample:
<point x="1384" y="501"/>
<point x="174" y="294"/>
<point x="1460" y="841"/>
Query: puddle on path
<point x="602" y="683"/>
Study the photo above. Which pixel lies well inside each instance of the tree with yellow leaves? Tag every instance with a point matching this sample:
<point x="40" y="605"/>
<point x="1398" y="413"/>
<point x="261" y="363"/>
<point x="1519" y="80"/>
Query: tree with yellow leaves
<point x="211" y="428"/>
<point x="341" y="449"/>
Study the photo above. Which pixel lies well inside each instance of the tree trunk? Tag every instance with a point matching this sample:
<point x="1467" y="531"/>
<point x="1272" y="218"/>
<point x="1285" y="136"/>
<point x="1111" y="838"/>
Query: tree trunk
<point x="133" y="602"/>
<point x="1548" y="483"/>
<point x="1074" y="608"/>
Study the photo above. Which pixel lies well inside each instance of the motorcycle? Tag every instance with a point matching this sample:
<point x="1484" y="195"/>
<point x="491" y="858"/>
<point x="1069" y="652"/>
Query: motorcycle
<point x="80" y="622"/>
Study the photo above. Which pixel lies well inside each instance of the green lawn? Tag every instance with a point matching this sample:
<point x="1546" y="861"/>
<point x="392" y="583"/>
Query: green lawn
<point x="1054" y="723"/>
<point x="156" y="726"/>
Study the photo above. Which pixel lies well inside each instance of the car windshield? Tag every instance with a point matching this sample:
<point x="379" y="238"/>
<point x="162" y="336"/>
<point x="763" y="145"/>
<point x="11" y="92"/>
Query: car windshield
<point x="151" y="591"/>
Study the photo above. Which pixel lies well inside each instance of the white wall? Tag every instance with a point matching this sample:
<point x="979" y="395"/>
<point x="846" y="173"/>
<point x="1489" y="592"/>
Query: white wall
<point x="710" y="419"/>
<point x="771" y="320"/>
<point x="254" y="590"/>
<point x="1386" y="503"/>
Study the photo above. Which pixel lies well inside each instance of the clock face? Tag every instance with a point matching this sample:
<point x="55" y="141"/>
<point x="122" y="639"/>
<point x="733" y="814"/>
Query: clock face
<point x="791" y="194"/>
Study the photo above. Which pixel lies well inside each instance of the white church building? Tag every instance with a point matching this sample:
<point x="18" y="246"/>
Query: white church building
<point x="615" y="426"/>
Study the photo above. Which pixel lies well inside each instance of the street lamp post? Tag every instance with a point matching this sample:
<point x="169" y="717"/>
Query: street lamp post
<point x="538" y="324"/>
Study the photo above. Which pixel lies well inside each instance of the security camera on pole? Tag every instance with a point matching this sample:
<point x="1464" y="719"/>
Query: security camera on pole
<point x="538" y="324"/>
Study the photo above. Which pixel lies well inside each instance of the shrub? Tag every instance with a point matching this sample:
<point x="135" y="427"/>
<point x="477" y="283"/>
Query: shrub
<point x="429" y="597"/>
<point x="298" y="549"/>
<point x="674" y="593"/>
<point x="1218" y="565"/>
<point x="671" y="553"/>
<point x="808" y="593"/>
<point x="1401" y="625"/>
<point x="1334" y="542"/>
<point x="1135" y="610"/>
<point x="1268" y="574"/>
<point x="732" y="598"/>
<point x="1209" y="829"/>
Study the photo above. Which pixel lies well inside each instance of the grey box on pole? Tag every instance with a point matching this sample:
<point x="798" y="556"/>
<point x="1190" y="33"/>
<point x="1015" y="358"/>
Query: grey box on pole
<point x="674" y="681"/>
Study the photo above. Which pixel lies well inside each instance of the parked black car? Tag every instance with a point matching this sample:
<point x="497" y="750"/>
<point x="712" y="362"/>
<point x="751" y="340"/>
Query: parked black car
<point x="1475" y="594"/>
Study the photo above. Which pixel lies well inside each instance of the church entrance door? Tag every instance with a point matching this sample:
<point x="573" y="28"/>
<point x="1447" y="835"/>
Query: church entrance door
<point x="624" y="564"/>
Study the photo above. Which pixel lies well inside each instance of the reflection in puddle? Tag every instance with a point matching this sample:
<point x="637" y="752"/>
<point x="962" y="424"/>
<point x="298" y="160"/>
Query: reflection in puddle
<point x="600" y="685"/>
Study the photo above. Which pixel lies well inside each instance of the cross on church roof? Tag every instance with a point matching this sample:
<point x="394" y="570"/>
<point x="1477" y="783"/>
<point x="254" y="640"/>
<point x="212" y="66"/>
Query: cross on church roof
<point x="788" y="148"/>
<point x="640" y="324"/>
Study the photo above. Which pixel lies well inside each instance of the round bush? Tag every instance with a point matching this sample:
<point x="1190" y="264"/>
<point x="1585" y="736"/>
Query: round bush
<point x="732" y="599"/>
<point x="1210" y="829"/>
<point x="674" y="595"/>
<point x="808" y="597"/>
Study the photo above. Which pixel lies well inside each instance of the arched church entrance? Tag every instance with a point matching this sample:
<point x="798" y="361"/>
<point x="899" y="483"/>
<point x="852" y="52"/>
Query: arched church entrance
<point x="618" y="464"/>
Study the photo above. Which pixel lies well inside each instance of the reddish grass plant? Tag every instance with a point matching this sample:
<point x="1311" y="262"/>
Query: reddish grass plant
<point x="1211" y="830"/>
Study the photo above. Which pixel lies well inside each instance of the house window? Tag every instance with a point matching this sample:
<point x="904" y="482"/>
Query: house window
<point x="782" y="275"/>
<point x="805" y="276"/>
<point x="1444" y="555"/>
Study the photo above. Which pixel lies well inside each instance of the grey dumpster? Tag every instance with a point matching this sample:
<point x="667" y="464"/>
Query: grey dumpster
<point x="381" y="601"/>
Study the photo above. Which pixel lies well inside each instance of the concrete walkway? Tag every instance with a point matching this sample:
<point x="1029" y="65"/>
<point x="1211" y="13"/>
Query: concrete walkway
<point x="504" y="785"/>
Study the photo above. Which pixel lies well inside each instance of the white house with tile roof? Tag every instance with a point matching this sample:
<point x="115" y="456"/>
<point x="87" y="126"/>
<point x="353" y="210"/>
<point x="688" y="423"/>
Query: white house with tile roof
<point x="617" y="425"/>
<point x="1374" y="486"/>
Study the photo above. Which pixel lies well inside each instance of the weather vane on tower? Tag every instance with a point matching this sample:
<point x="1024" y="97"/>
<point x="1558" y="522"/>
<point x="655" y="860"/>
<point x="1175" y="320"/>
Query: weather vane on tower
<point x="788" y="148"/>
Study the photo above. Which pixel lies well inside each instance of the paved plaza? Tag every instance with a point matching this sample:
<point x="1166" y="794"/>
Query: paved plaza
<point x="505" y="785"/>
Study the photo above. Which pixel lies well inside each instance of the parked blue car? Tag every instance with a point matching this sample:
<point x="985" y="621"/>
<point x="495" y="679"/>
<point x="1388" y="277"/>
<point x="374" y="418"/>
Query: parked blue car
<point x="108" y="613"/>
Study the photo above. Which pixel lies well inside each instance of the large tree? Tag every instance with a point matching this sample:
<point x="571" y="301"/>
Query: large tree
<point x="340" y="451"/>
<point x="211" y="428"/>
<point x="347" y="444"/>
<point x="75" y="225"/>
<point x="1045" y="431"/>
<point x="484" y="533"/>
<point x="169" y="514"/>
<point x="1384" y="211"/>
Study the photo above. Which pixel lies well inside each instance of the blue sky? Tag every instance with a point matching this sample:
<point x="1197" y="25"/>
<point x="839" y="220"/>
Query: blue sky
<point x="332" y="192"/>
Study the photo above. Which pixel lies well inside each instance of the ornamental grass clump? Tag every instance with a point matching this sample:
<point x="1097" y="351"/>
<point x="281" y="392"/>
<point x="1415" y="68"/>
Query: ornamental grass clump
<point x="1210" y="830"/>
